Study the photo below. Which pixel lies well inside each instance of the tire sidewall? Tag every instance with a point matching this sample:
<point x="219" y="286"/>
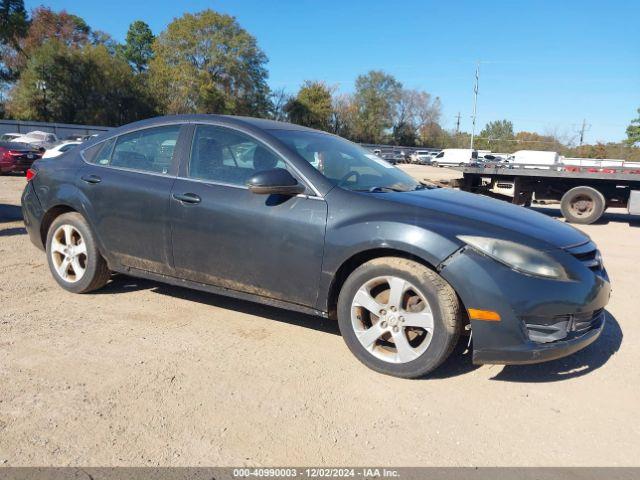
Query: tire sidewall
<point x="93" y="256"/>
<point x="442" y="332"/>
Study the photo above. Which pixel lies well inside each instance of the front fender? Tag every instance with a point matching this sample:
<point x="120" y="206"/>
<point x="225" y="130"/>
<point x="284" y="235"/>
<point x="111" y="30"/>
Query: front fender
<point x="377" y="225"/>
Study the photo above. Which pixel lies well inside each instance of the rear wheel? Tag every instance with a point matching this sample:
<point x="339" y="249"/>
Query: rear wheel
<point x="73" y="256"/>
<point x="398" y="317"/>
<point x="582" y="205"/>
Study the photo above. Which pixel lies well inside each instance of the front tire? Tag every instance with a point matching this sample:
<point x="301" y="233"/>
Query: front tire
<point x="73" y="256"/>
<point x="399" y="317"/>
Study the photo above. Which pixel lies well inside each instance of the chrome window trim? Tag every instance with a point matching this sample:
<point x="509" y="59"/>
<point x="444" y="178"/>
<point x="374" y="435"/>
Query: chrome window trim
<point x="240" y="187"/>
<point x="260" y="142"/>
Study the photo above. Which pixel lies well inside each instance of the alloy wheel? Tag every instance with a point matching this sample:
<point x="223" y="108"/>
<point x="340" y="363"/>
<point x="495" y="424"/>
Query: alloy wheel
<point x="69" y="253"/>
<point x="392" y="319"/>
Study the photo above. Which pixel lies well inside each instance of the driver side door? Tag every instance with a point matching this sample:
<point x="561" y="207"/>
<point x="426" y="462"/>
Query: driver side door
<point x="227" y="236"/>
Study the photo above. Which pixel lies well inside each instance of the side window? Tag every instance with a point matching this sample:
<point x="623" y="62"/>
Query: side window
<point x="150" y="150"/>
<point x="226" y="156"/>
<point x="440" y="155"/>
<point x="100" y="154"/>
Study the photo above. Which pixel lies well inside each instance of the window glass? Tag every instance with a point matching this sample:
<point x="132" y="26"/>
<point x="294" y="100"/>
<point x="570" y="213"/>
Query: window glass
<point x="150" y="150"/>
<point x="100" y="153"/>
<point x="226" y="156"/>
<point x="346" y="164"/>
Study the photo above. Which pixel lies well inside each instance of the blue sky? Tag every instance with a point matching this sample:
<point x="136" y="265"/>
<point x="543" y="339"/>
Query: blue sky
<point x="546" y="65"/>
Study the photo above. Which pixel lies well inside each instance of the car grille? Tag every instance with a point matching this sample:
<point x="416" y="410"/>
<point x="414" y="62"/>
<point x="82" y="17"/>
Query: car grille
<point x="588" y="254"/>
<point x="562" y="327"/>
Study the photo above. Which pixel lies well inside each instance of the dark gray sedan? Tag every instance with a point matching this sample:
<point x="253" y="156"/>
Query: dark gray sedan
<point x="305" y="220"/>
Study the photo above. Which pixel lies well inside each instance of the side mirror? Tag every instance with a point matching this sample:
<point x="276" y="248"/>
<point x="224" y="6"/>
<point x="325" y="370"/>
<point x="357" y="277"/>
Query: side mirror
<point x="277" y="181"/>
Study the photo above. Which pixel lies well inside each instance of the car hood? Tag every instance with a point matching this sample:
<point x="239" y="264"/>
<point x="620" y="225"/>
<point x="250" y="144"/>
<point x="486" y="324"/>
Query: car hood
<point x="473" y="214"/>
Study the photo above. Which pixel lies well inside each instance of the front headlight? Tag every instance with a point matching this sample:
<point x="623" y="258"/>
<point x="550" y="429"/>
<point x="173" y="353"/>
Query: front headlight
<point x="518" y="257"/>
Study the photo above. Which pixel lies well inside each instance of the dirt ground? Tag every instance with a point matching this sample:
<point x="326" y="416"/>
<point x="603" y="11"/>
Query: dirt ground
<point x="146" y="374"/>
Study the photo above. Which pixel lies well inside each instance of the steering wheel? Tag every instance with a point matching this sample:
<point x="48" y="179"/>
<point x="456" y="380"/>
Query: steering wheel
<point x="346" y="177"/>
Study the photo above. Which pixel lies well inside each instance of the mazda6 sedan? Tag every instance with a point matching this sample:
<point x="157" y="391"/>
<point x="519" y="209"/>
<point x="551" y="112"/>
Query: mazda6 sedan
<point x="307" y="221"/>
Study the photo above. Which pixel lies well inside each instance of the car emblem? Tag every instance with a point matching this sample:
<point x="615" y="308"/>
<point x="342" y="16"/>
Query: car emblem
<point x="31" y="156"/>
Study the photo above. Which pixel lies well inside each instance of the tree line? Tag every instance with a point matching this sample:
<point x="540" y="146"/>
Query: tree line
<point x="55" y="67"/>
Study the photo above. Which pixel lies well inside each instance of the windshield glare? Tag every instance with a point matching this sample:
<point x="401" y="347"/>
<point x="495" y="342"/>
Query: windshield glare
<point x="346" y="164"/>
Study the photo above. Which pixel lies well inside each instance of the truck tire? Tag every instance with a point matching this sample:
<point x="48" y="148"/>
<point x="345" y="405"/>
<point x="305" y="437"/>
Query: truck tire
<point x="582" y="205"/>
<point x="399" y="317"/>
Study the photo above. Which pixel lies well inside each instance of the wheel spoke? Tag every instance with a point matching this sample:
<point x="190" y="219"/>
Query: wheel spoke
<point x="368" y="337"/>
<point x="64" y="268"/>
<point x="80" y="249"/>
<point x="68" y="234"/>
<point x="78" y="270"/>
<point x="56" y="246"/>
<point x="404" y="350"/>
<point x="397" y="288"/>
<point x="420" y="319"/>
<point x="364" y="299"/>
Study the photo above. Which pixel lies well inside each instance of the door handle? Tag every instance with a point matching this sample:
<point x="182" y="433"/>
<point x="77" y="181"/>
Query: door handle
<point x="91" y="179"/>
<point x="187" y="197"/>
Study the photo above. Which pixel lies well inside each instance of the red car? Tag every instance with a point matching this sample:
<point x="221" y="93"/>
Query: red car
<point x="17" y="157"/>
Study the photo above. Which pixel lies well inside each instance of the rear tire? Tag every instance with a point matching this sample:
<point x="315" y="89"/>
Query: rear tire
<point x="407" y="338"/>
<point x="583" y="205"/>
<point x="73" y="256"/>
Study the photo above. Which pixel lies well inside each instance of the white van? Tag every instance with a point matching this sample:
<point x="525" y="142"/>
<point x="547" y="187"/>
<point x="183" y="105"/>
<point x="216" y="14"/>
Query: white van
<point x="455" y="156"/>
<point x="534" y="158"/>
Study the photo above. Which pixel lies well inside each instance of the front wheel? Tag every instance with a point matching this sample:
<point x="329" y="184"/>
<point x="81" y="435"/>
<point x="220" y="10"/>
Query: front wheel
<point x="73" y="256"/>
<point x="398" y="317"/>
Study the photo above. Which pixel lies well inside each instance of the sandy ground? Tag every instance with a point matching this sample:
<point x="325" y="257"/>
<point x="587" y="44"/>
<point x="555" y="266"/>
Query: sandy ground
<point x="142" y="373"/>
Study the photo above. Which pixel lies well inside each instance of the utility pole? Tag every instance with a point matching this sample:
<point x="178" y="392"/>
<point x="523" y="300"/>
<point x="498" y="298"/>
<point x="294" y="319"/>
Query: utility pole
<point x="584" y="128"/>
<point x="475" y="104"/>
<point x="458" y="123"/>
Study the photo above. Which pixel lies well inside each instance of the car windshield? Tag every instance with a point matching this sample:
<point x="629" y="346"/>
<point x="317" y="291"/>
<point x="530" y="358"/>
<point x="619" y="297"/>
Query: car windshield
<point x="346" y="164"/>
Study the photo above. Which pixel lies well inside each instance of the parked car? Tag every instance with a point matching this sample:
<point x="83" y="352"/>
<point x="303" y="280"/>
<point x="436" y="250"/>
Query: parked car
<point x="455" y="156"/>
<point x="423" y="157"/>
<point x="405" y="268"/>
<point x="75" y="138"/>
<point x="39" y="139"/>
<point x="60" y="149"/>
<point x="17" y="157"/>
<point x="9" y="137"/>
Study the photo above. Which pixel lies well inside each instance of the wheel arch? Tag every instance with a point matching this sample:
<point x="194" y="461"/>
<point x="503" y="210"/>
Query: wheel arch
<point x="358" y="259"/>
<point x="50" y="215"/>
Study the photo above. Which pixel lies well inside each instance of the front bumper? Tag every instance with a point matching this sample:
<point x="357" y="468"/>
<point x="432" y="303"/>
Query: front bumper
<point x="528" y="305"/>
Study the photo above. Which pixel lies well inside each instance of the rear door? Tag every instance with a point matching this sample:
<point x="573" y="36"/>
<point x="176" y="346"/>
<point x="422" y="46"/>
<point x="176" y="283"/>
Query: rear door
<point x="225" y="235"/>
<point x="127" y="182"/>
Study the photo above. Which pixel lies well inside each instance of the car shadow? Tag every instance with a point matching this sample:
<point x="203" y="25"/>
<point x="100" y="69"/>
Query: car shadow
<point x="607" y="217"/>
<point x="580" y="363"/>
<point x="458" y="363"/>
<point x="10" y="232"/>
<point x="10" y="213"/>
<point x="122" y="284"/>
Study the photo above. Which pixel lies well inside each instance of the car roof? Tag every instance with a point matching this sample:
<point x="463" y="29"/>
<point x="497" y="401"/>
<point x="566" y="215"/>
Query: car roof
<point x="16" y="146"/>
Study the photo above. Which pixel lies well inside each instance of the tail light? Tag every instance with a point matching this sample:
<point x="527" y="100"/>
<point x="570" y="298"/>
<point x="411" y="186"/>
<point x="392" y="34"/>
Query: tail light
<point x="4" y="154"/>
<point x="31" y="174"/>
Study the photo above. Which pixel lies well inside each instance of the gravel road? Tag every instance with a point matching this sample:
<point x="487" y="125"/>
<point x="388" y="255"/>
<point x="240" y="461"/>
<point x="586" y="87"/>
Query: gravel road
<point x="145" y="374"/>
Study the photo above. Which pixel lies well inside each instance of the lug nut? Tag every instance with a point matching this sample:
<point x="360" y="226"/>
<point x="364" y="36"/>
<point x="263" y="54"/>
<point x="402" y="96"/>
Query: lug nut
<point x="383" y="312"/>
<point x="401" y="319"/>
<point x="396" y="329"/>
<point x="383" y="324"/>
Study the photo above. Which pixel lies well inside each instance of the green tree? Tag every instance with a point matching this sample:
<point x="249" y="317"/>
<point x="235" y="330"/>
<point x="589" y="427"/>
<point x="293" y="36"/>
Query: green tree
<point x="497" y="136"/>
<point x="376" y="97"/>
<point x="312" y="107"/>
<point x="13" y="27"/>
<point x="207" y="63"/>
<point x="62" y="83"/>
<point x="633" y="131"/>
<point x="137" y="49"/>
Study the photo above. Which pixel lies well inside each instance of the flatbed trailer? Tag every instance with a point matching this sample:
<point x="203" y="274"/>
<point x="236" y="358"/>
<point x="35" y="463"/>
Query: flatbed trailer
<point x="584" y="193"/>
